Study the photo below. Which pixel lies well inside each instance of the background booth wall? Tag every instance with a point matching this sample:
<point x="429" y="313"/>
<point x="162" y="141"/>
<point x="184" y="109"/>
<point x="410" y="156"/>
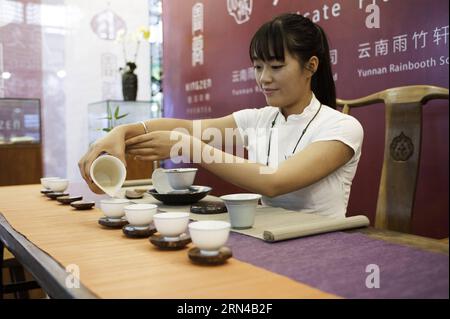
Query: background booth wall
<point x="374" y="45"/>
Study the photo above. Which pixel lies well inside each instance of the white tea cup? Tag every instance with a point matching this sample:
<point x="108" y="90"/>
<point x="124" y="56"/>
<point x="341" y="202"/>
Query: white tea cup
<point x="58" y="184"/>
<point x="209" y="235"/>
<point x="171" y="224"/>
<point x="140" y="215"/>
<point x="44" y="181"/>
<point x="181" y="178"/>
<point x="241" y="209"/>
<point x="114" y="208"/>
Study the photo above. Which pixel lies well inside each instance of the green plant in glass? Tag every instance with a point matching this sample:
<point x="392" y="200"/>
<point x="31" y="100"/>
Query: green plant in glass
<point x="112" y="118"/>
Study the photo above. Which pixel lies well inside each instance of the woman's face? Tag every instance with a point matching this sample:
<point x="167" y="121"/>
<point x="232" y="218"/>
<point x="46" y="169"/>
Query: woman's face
<point x="284" y="83"/>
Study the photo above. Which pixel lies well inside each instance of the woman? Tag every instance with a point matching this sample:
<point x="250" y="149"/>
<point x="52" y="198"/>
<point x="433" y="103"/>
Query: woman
<point x="313" y="149"/>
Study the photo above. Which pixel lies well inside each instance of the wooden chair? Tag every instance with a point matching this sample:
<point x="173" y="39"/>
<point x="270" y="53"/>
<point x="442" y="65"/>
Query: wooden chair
<point x="403" y="116"/>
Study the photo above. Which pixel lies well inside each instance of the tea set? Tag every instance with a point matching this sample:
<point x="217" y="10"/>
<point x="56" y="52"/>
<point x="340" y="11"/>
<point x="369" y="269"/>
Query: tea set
<point x="165" y="230"/>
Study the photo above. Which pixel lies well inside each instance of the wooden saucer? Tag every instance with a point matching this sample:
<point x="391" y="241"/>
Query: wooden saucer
<point x="132" y="194"/>
<point x="107" y="222"/>
<point x="208" y="207"/>
<point x="54" y="195"/>
<point x="161" y="242"/>
<point x="66" y="200"/>
<point x="81" y="205"/>
<point x="198" y="258"/>
<point x="131" y="232"/>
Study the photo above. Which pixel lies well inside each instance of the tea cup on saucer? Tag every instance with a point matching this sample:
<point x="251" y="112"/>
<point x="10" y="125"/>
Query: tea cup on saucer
<point x="140" y="215"/>
<point x="180" y="179"/>
<point x="58" y="185"/>
<point x="209" y="235"/>
<point x="44" y="181"/>
<point x="113" y="208"/>
<point x="171" y="224"/>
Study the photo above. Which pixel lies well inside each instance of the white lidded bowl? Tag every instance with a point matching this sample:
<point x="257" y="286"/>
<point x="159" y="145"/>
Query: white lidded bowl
<point x="209" y="235"/>
<point x="181" y="178"/>
<point x="241" y="209"/>
<point x="44" y="181"/>
<point x="140" y="214"/>
<point x="171" y="224"/>
<point x="114" y="207"/>
<point x="58" y="185"/>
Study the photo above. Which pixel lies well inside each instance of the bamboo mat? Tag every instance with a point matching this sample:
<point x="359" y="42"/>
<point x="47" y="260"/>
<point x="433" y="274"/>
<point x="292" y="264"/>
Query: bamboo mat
<point x="113" y="266"/>
<point x="273" y="224"/>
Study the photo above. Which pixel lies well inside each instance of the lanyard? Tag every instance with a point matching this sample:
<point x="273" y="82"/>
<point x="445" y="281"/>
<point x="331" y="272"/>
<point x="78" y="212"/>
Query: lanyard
<point x="303" y="133"/>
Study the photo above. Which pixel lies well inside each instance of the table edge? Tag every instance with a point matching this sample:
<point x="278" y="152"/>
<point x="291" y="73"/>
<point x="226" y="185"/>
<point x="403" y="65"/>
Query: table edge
<point x="50" y="274"/>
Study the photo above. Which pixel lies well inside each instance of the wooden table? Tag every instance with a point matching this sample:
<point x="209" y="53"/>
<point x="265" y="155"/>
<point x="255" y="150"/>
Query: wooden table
<point x="112" y="266"/>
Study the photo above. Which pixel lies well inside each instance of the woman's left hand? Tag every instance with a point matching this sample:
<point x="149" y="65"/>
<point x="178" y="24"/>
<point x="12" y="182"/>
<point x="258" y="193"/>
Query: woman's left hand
<point x="158" y="145"/>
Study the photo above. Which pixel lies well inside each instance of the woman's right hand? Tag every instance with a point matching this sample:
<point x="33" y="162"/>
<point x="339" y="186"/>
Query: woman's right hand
<point x="113" y="144"/>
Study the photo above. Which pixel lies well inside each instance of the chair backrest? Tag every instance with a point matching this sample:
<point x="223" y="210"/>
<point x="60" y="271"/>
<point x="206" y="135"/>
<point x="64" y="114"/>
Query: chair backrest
<point x="403" y="116"/>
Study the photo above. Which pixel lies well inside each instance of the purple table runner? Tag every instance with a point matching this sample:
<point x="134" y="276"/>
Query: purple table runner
<point x="336" y="263"/>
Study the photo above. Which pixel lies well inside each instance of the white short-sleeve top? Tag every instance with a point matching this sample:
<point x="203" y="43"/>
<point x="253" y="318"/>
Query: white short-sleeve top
<point x="330" y="195"/>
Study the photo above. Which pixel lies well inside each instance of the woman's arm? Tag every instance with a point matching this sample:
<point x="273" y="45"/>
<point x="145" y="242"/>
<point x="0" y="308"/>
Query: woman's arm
<point x="114" y="142"/>
<point x="308" y="166"/>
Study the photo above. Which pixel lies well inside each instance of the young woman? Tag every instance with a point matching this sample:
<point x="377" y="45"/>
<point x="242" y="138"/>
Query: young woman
<point x="313" y="149"/>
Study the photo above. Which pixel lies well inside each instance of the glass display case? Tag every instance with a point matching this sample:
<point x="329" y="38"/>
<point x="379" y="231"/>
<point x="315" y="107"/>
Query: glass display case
<point x="20" y="141"/>
<point x="20" y="121"/>
<point x="105" y="115"/>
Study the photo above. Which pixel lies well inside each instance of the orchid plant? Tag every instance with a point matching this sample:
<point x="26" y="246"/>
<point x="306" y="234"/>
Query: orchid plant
<point x="141" y="34"/>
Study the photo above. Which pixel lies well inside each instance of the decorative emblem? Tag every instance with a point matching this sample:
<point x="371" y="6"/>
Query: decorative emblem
<point x="107" y="24"/>
<point x="402" y="148"/>
<point x="240" y="10"/>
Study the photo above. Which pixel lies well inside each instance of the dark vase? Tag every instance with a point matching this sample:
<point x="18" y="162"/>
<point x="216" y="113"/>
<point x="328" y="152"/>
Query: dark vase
<point x="129" y="83"/>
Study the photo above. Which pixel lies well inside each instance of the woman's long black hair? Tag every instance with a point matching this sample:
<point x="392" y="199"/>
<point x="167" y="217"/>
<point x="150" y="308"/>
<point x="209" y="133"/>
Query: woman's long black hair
<point x="303" y="39"/>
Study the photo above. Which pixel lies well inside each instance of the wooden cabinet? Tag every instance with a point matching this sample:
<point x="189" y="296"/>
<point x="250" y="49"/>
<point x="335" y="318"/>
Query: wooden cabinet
<point x="20" y="164"/>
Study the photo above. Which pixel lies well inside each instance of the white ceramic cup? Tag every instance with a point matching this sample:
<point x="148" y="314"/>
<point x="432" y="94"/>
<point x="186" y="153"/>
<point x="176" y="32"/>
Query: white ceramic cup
<point x="171" y="224"/>
<point x="58" y="185"/>
<point x="140" y="215"/>
<point x="181" y="178"/>
<point x="108" y="173"/>
<point x="209" y="235"/>
<point x="241" y="209"/>
<point x="113" y="208"/>
<point x="44" y="181"/>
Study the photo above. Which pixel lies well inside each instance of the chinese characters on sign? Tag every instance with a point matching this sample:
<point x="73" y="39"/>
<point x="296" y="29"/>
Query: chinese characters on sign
<point x="198" y="97"/>
<point x="197" y="34"/>
<point x="248" y="75"/>
<point x="109" y="75"/>
<point x="198" y="93"/>
<point x="243" y="75"/>
<point x="400" y="43"/>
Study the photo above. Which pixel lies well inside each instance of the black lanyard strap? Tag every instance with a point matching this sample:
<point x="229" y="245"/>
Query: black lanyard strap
<point x="303" y="133"/>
